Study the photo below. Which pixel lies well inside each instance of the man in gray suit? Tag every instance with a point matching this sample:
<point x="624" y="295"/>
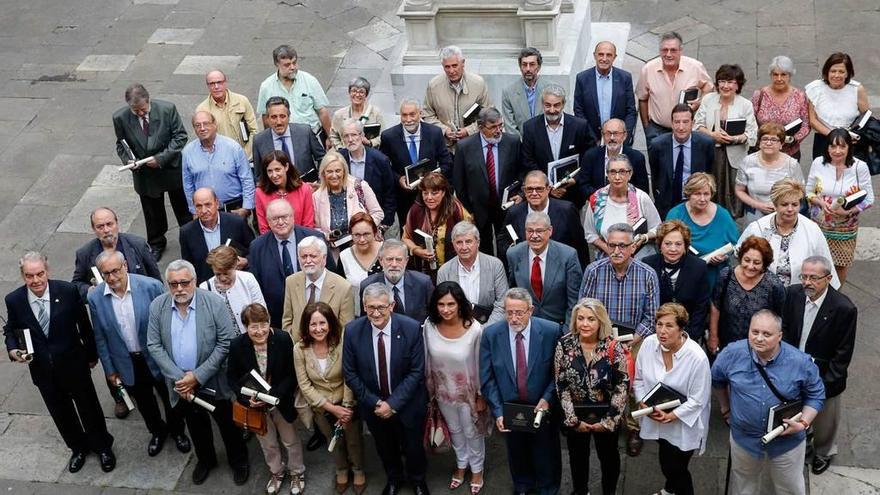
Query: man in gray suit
<point x="522" y="100"/>
<point x="481" y="276"/>
<point x="549" y="270"/>
<point x="297" y="141"/>
<point x="188" y="338"/>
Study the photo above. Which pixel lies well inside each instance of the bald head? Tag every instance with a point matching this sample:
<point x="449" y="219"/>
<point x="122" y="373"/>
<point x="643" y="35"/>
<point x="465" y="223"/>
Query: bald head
<point x="604" y="55"/>
<point x="216" y="82"/>
<point x="206" y="205"/>
<point x="205" y="126"/>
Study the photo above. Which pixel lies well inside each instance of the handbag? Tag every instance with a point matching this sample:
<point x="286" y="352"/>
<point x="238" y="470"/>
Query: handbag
<point x="630" y="363"/>
<point x="437" y="439"/>
<point x="249" y="418"/>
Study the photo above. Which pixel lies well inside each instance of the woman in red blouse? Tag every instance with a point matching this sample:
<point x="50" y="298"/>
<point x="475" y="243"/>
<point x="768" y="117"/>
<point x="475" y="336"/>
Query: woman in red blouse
<point x="280" y="179"/>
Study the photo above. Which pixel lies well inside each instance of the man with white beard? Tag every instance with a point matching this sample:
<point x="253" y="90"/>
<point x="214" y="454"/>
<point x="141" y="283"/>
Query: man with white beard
<point x="411" y="289"/>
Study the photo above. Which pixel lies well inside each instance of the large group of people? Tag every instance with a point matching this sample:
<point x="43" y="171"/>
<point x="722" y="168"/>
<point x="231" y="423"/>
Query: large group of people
<point x="314" y="271"/>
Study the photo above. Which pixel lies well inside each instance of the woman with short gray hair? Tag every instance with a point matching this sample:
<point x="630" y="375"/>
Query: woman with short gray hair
<point x="358" y="109"/>
<point x="781" y="103"/>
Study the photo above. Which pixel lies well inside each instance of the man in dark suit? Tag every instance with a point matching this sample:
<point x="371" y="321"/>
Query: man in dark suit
<point x="372" y="166"/>
<point x="675" y="156"/>
<point x="120" y="310"/>
<point x="296" y="140"/>
<point x="516" y="365"/>
<point x="822" y="322"/>
<point x="594" y="161"/>
<point x="554" y="135"/>
<point x="411" y="289"/>
<point x="383" y="362"/>
<point x="64" y="352"/>
<point x="485" y="164"/>
<point x="567" y="226"/>
<point x="273" y="256"/>
<point x="605" y="92"/>
<point x="407" y="143"/>
<point x="210" y="229"/>
<point x="153" y="129"/>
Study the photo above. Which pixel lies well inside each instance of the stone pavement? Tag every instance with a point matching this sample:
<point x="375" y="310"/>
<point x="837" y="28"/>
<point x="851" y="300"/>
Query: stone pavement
<point x="65" y="65"/>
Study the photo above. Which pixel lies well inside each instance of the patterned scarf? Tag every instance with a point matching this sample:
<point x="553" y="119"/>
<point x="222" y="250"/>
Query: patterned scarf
<point x="599" y="200"/>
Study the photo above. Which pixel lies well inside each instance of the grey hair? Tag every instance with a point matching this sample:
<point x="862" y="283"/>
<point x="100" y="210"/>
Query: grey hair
<point x="451" y="51"/>
<point x="136" y="94"/>
<point x="818" y="260"/>
<point x="32" y="256"/>
<point x="361" y="83"/>
<point x="409" y="100"/>
<point x="312" y="241"/>
<point x="464" y="228"/>
<point x="538" y="217"/>
<point x="107" y="256"/>
<point x="620" y="227"/>
<point x="783" y="63"/>
<point x="537" y="173"/>
<point x="671" y="35"/>
<point x="375" y="290"/>
<point x="176" y="266"/>
<point x="518" y="294"/>
<point x="767" y="313"/>
<point x="553" y="90"/>
<point x="488" y="115"/>
<point x="284" y="51"/>
<point x="356" y="122"/>
<point x="620" y="157"/>
<point x="615" y="121"/>
<point x="393" y="244"/>
<point x="282" y="203"/>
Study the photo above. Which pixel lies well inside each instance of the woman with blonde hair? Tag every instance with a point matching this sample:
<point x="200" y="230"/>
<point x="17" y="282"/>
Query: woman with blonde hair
<point x="340" y="196"/>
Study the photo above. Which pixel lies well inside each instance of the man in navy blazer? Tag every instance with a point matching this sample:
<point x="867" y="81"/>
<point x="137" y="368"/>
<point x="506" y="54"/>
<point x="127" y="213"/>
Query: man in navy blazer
<point x="663" y="155"/>
<point x="297" y="140"/>
<point x="383" y="362"/>
<point x="265" y="260"/>
<point x="516" y="365"/>
<point x="616" y="99"/>
<point x="411" y="289"/>
<point x="64" y="352"/>
<point x="121" y="340"/>
<point x="194" y="236"/>
<point x="594" y="161"/>
<point x="407" y="143"/>
<point x="372" y="166"/>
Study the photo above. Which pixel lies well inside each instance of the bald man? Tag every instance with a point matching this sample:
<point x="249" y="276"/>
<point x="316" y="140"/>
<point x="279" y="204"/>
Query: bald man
<point x="233" y="112"/>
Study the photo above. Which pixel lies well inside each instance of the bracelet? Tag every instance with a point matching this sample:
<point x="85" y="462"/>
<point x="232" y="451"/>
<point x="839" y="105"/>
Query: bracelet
<point x="804" y="422"/>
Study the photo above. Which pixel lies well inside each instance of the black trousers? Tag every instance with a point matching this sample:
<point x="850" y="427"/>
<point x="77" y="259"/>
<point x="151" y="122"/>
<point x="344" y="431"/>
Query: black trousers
<point x="199" y="424"/>
<point x="579" y="460"/>
<point x="395" y="440"/>
<point x="535" y="460"/>
<point x="142" y="393"/>
<point x="73" y="404"/>
<point x="674" y="465"/>
<point x="156" y="220"/>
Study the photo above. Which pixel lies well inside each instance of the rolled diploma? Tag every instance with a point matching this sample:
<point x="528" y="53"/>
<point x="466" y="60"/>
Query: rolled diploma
<point x="203" y="404"/>
<point x="538" y="417"/>
<point x="135" y="164"/>
<point x="97" y="274"/>
<point x="268" y="399"/>
<point x="337" y="432"/>
<point x="125" y="397"/>
<point x="775" y="432"/>
<point x="659" y="407"/>
<point x="28" y="343"/>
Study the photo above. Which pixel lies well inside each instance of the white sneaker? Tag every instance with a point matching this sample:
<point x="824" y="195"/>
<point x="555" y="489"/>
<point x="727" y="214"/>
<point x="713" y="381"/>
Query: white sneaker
<point x="274" y="485"/>
<point x="297" y="484"/>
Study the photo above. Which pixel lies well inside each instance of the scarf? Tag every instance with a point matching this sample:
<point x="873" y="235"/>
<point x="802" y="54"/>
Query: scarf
<point x="599" y="201"/>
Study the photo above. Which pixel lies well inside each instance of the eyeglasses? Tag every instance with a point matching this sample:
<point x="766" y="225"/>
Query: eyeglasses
<point x="377" y="308"/>
<point x="216" y="83"/>
<point x="516" y="313"/>
<point x="366" y="235"/>
<point x="360" y="92"/>
<point x="530" y="190"/>
<point x="114" y="272"/>
<point x="614" y="133"/>
<point x="179" y="283"/>
<point x="619" y="245"/>
<point x="622" y="172"/>
<point x="771" y="140"/>
<point x="812" y="278"/>
<point x="536" y="231"/>
<point x="281" y="219"/>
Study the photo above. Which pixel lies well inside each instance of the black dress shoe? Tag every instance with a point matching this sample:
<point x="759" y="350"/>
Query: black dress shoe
<point x="240" y="474"/>
<point x="317" y="440"/>
<point x="422" y="489"/>
<point x="391" y="489"/>
<point x="76" y="462"/>
<point x="820" y="464"/>
<point x="155" y="445"/>
<point x="182" y="442"/>
<point x="108" y="460"/>
<point x="157" y="253"/>
<point x="200" y="473"/>
<point x="120" y="410"/>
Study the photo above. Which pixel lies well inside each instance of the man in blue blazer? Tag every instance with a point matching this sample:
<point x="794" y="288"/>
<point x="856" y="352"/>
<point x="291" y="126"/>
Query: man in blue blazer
<point x="516" y="365"/>
<point x="273" y="256"/>
<point x="383" y="362"/>
<point x="407" y="143"/>
<point x="605" y="92"/>
<point x="372" y="166"/>
<point x="120" y="310"/>
<point x="411" y="290"/>
<point x="296" y="140"/>
<point x="594" y="161"/>
<point x="675" y="156"/>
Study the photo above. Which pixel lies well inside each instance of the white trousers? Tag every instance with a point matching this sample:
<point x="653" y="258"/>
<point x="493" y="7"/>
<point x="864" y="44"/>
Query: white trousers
<point x="469" y="445"/>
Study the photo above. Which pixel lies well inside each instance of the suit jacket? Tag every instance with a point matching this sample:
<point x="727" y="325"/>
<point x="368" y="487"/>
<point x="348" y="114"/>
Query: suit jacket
<point x="279" y="369"/>
<point x="660" y="158"/>
<point x="576" y="138"/>
<point x="114" y="354"/>
<point x="70" y="346"/>
<point x="498" y="370"/>
<point x="691" y="290"/>
<point x="515" y="105"/>
<point x="378" y="174"/>
<point x="592" y="175"/>
<point x="567" y="226"/>
<point x="406" y="377"/>
<point x="493" y="283"/>
<point x="137" y="254"/>
<point x="307" y="150"/>
<point x="832" y="338"/>
<point x="264" y="261"/>
<point x="623" y="102"/>
<point x="336" y="292"/>
<point x="167" y="138"/>
<point x="194" y="249"/>
<point x="471" y="180"/>
<point x="417" y="289"/>
<point x="562" y="279"/>
<point x="214" y="332"/>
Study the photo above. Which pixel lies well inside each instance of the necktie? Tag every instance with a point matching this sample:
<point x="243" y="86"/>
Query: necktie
<point x="413" y="152"/>
<point x="490" y="171"/>
<point x="383" y="369"/>
<point x="537" y="281"/>
<point x="284" y="147"/>
<point x="678" y="176"/>
<point x="522" y="370"/>
<point x="286" y="262"/>
<point x="145" y="125"/>
<point x="42" y="316"/>
<point x="312" y="288"/>
<point x="398" y="304"/>
<point x="225" y="294"/>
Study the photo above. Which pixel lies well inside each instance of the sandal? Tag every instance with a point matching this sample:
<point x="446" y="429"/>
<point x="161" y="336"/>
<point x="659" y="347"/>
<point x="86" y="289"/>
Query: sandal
<point x="454" y="483"/>
<point x="476" y="487"/>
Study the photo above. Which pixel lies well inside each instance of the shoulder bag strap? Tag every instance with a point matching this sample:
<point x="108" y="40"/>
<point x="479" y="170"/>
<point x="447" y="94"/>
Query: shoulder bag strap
<point x="766" y="378"/>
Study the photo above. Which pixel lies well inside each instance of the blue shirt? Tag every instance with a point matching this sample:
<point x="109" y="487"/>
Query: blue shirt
<point x="225" y="170"/>
<point x="291" y="248"/>
<point x="686" y="170"/>
<point x="212" y="236"/>
<point x="485" y="146"/>
<point x="603" y="94"/>
<point x="531" y="94"/>
<point x="792" y="373"/>
<point x="184" y="348"/>
<point x="632" y="300"/>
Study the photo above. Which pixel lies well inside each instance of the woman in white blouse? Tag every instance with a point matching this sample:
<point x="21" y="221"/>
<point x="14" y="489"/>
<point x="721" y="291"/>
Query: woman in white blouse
<point x="671" y="358"/>
<point x="620" y="202"/>
<point x="236" y="287"/>
<point x="835" y="100"/>
<point x="361" y="259"/>
<point x="759" y="171"/>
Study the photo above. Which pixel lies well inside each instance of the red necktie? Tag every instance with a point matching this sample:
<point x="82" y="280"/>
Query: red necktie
<point x="522" y="370"/>
<point x="490" y="170"/>
<point x="383" y="369"/>
<point x="537" y="282"/>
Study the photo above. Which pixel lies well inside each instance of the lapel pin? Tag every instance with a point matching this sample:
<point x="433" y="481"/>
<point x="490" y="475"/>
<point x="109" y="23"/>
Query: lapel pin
<point x="56" y="300"/>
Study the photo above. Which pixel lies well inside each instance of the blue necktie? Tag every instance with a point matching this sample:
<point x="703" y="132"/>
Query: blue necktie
<point x="413" y="153"/>
<point x="286" y="262"/>
<point x="284" y="147"/>
<point x="678" y="176"/>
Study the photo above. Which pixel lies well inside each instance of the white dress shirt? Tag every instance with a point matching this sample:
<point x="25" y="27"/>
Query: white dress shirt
<point x="123" y="308"/>
<point x="32" y="301"/>
<point x="811" y="310"/>
<point x="417" y="135"/>
<point x="245" y="290"/>
<point x="543" y="261"/>
<point x="399" y="286"/>
<point x="386" y="341"/>
<point x="318" y="285"/>
<point x="526" y="341"/>
<point x="469" y="280"/>
<point x="555" y="136"/>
